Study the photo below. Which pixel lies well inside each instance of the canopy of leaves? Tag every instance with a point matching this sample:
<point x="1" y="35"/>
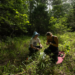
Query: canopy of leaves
<point x="13" y="16"/>
<point x="22" y="16"/>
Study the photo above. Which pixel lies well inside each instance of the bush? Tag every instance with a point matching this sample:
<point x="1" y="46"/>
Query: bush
<point x="58" y="25"/>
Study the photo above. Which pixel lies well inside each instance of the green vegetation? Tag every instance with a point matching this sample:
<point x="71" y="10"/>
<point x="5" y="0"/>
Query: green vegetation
<point x="25" y="16"/>
<point x="19" y="19"/>
<point x="13" y="54"/>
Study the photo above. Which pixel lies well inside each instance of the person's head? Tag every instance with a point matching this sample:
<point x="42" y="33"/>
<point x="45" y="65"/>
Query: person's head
<point x="35" y="35"/>
<point x="49" y="35"/>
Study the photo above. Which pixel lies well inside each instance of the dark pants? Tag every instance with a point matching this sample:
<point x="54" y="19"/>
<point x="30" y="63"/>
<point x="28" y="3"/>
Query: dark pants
<point x="33" y="51"/>
<point x="53" y="55"/>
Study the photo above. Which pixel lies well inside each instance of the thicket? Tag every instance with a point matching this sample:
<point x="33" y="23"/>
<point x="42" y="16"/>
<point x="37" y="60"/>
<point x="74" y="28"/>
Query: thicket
<point x="22" y="17"/>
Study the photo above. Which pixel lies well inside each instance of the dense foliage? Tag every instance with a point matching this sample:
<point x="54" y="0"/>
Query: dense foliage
<point x="13" y="17"/>
<point x="25" y="16"/>
<point x="21" y="17"/>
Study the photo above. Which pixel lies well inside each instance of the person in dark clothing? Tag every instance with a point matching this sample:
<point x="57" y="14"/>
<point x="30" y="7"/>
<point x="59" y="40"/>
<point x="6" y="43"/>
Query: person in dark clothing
<point x="52" y="41"/>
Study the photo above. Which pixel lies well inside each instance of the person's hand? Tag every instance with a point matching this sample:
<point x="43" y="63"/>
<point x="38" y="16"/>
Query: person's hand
<point x="37" y="48"/>
<point x="40" y="45"/>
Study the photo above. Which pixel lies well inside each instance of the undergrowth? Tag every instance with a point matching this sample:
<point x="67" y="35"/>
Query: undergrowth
<point x="14" y="51"/>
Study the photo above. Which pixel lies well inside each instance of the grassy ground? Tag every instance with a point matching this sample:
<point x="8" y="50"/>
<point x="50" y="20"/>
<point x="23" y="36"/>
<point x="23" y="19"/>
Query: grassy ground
<point x="14" y="52"/>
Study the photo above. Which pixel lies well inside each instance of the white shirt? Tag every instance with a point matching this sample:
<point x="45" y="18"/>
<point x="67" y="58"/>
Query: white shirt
<point x="34" y="41"/>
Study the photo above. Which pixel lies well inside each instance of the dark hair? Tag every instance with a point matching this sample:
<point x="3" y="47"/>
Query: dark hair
<point x="48" y="34"/>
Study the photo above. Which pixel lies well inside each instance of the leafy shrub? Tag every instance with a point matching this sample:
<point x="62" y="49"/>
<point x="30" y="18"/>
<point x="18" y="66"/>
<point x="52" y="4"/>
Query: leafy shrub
<point x="58" y="25"/>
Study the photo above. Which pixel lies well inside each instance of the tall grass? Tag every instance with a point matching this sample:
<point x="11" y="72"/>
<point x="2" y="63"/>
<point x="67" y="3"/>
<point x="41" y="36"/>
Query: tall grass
<point x="14" y="51"/>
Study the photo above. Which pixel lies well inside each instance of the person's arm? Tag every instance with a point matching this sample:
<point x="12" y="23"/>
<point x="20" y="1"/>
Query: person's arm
<point x="40" y="44"/>
<point x="56" y="40"/>
<point x="47" y="42"/>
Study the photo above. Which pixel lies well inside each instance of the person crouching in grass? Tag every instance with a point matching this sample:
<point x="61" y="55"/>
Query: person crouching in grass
<point x="33" y="48"/>
<point x="52" y="41"/>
